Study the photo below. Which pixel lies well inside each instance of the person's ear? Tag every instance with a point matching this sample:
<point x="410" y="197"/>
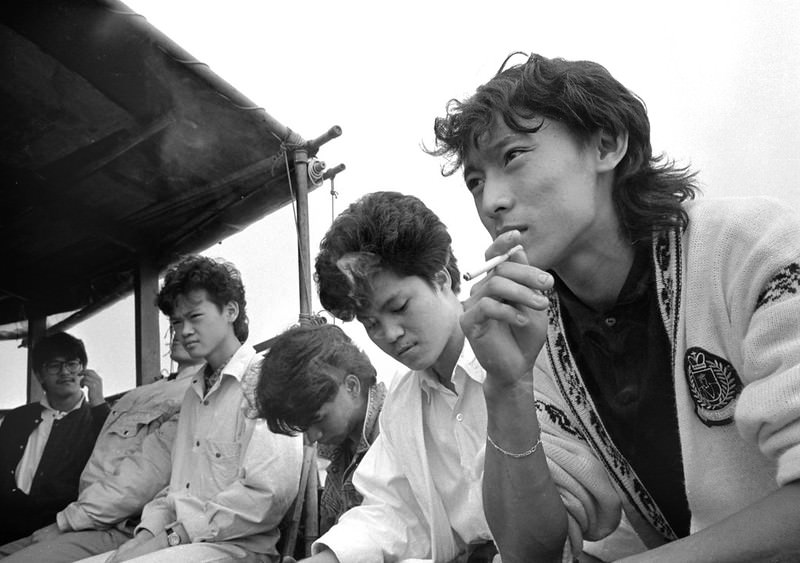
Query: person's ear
<point x="443" y="279"/>
<point x="232" y="310"/>
<point x="352" y="384"/>
<point x="610" y="149"/>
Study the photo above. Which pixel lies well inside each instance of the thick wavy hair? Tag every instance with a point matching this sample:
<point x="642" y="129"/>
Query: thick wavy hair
<point x="220" y="279"/>
<point x="58" y="344"/>
<point x="381" y="231"/>
<point x="302" y="371"/>
<point x="649" y="190"/>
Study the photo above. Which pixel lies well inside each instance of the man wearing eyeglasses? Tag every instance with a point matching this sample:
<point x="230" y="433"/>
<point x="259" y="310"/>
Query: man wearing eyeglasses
<point x="44" y="446"/>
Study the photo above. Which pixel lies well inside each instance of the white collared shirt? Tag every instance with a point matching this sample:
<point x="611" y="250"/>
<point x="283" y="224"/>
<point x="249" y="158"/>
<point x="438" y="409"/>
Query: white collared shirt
<point x="422" y="478"/>
<point x="456" y="423"/>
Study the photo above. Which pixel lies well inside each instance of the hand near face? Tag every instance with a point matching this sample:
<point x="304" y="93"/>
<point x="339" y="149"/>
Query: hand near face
<point x="505" y="317"/>
<point x="94" y="385"/>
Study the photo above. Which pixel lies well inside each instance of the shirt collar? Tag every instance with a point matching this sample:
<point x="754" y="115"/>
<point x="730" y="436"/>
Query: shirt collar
<point x="60" y="414"/>
<point x="237" y="367"/>
<point x="238" y="364"/>
<point x="636" y="283"/>
<point x="467" y="365"/>
<point x="369" y="431"/>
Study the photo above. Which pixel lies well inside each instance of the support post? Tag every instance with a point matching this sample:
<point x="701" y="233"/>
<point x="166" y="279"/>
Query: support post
<point x="148" y="350"/>
<point x="37" y="328"/>
<point x="303" y="251"/>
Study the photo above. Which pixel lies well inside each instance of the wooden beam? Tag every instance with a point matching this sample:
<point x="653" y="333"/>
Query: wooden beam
<point x="134" y="137"/>
<point x="37" y="328"/>
<point x="148" y="350"/>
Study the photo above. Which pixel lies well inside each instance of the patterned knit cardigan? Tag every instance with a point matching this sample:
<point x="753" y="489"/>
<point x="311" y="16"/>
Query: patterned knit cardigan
<point x="728" y="289"/>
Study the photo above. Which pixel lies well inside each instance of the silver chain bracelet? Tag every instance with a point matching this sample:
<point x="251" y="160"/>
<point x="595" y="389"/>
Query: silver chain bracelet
<point x="512" y="454"/>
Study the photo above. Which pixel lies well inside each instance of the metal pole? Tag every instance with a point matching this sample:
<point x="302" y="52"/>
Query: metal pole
<point x="303" y="252"/>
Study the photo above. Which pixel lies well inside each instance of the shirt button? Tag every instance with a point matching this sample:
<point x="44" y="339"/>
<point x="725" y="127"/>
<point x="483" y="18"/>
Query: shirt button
<point x="205" y="402"/>
<point x="187" y="485"/>
<point x="459" y="417"/>
<point x="218" y="454"/>
<point x="611" y="321"/>
<point x="197" y="443"/>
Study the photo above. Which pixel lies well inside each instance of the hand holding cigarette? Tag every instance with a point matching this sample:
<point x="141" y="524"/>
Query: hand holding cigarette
<point x="505" y="317"/>
<point x="492" y="263"/>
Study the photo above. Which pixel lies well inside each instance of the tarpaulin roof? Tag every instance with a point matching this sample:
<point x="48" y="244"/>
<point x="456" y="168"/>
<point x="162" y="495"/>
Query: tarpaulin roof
<point x="116" y="144"/>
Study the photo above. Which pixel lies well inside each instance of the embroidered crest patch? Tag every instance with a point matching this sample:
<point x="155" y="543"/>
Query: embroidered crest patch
<point x="714" y="385"/>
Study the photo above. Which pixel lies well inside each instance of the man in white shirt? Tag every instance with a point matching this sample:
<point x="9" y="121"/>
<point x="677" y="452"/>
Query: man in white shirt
<point x="387" y="261"/>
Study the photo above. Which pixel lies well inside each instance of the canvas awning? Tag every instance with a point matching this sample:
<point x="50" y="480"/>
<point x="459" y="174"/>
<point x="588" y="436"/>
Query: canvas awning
<point x="119" y="152"/>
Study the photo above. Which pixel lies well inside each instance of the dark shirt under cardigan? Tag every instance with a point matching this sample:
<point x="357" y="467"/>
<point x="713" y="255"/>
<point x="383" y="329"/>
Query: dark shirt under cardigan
<point x="57" y="477"/>
<point x="624" y="357"/>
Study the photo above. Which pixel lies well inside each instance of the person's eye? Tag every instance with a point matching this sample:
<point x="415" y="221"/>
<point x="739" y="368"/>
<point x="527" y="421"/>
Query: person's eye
<point x="400" y="308"/>
<point x="368" y="323"/>
<point x="474" y="184"/>
<point x="511" y="154"/>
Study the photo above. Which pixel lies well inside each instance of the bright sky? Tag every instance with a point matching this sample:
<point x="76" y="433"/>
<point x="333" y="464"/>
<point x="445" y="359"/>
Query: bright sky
<point x="721" y="80"/>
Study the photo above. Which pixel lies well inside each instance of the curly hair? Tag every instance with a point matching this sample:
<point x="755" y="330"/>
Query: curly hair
<point x="220" y="279"/>
<point x="649" y="190"/>
<point x="58" y="344"/>
<point x="302" y="371"/>
<point x="381" y="231"/>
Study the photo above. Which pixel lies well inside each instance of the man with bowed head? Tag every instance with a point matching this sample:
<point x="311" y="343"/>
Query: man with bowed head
<point x="670" y="345"/>
<point x="314" y="379"/>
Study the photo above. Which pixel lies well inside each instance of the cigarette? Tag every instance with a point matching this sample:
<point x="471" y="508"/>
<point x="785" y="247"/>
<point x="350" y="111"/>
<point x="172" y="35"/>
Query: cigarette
<point x="492" y="263"/>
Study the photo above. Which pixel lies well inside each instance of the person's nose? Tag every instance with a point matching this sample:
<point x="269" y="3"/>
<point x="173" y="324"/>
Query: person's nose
<point x="496" y="196"/>
<point x="387" y="331"/>
<point x="186" y="329"/>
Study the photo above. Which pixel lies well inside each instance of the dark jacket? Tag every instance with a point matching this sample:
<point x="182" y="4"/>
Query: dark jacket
<point x="55" y="484"/>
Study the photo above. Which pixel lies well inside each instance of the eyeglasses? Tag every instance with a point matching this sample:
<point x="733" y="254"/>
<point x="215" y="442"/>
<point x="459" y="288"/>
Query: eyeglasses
<point x="55" y="367"/>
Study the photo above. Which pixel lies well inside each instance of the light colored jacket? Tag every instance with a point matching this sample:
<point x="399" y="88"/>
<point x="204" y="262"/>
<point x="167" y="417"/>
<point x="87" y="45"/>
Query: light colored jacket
<point x="130" y="462"/>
